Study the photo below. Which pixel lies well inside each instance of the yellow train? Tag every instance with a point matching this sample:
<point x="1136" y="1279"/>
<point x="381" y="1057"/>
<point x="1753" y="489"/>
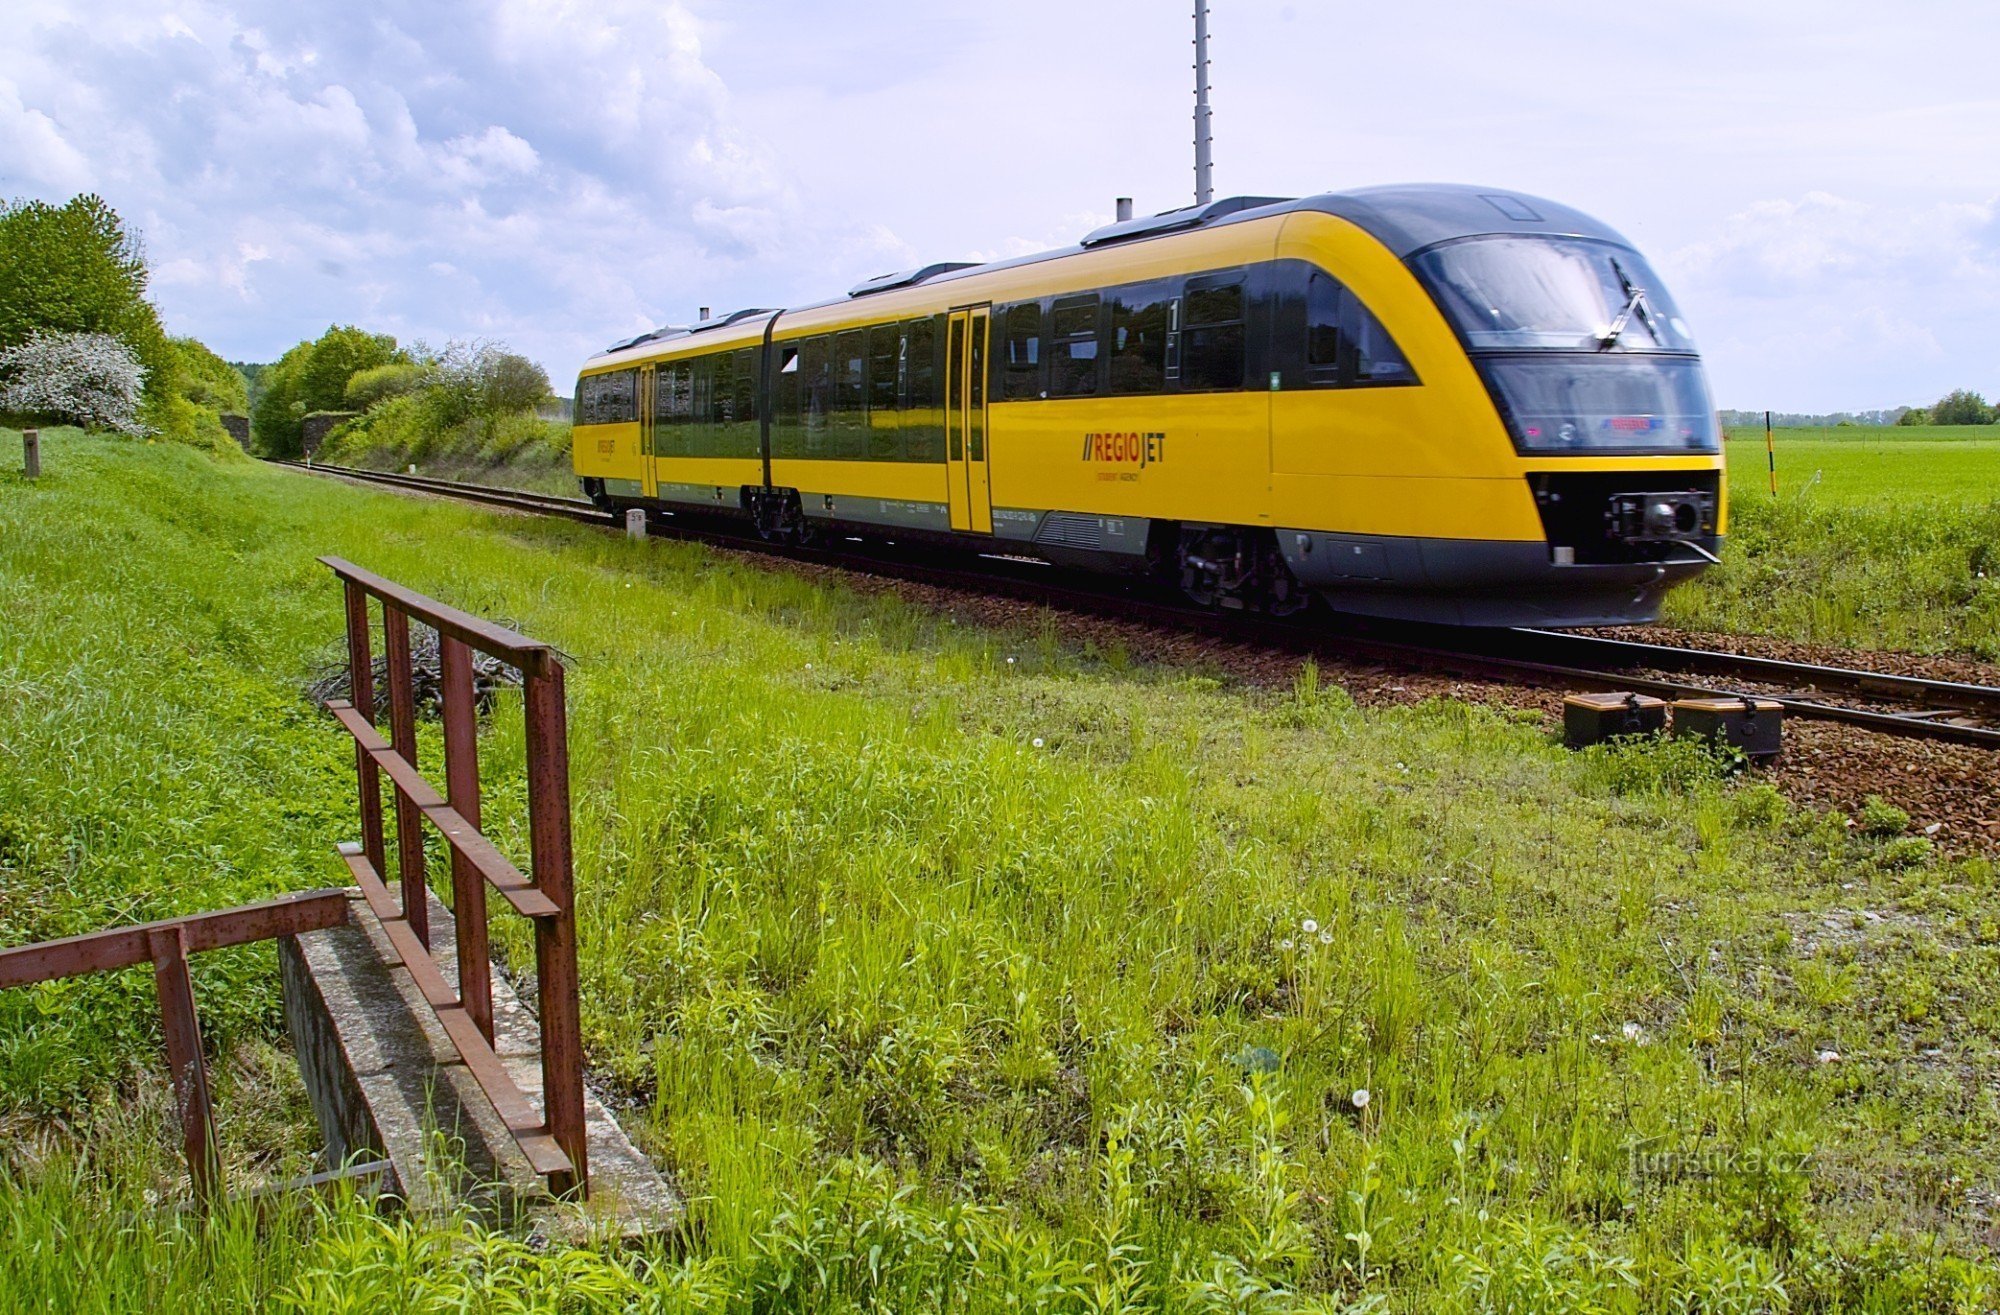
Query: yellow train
<point x="1433" y="403"/>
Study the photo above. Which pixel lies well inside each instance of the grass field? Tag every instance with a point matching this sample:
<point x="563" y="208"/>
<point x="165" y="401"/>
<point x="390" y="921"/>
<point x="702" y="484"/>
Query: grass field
<point x="1883" y="466"/>
<point x="1885" y="538"/>
<point x="959" y="968"/>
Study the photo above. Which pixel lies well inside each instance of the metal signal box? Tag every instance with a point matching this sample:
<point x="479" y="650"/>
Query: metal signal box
<point x="1754" y="726"/>
<point x="1595" y="718"/>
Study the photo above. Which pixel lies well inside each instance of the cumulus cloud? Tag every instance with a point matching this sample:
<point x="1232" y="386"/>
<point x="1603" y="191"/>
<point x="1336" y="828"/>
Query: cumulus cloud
<point x="1854" y="304"/>
<point x="1783" y="247"/>
<point x="554" y="174"/>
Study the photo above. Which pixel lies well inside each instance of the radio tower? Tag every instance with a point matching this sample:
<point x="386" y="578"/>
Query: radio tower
<point x="1204" y="185"/>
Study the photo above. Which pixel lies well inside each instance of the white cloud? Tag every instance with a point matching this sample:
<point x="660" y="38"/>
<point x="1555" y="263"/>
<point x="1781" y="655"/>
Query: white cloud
<point x="556" y="175"/>
<point x="1852" y="303"/>
<point x="33" y="150"/>
<point x="560" y="173"/>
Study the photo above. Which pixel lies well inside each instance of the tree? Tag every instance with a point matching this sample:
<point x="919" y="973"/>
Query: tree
<point x="76" y="269"/>
<point x="71" y="268"/>
<point x="313" y="376"/>
<point x="510" y="383"/>
<point x="1916" y="415"/>
<point x="209" y="381"/>
<point x="88" y="379"/>
<point x="1962" y="407"/>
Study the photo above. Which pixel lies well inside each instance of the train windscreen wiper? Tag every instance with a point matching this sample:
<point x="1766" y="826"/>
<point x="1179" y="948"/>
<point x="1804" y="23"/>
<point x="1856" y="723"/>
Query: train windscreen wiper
<point x="1635" y="300"/>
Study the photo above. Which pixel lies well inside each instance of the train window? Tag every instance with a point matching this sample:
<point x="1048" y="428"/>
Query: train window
<point x="1212" y="353"/>
<point x="885" y="360"/>
<point x="923" y="435"/>
<point x="1323" y="322"/>
<point x="850" y="392"/>
<point x="816" y="386"/>
<point x="1138" y="346"/>
<point x="1073" y="347"/>
<point x="1345" y="343"/>
<point x="785" y="402"/>
<point x="1219" y="305"/>
<point x="1021" y="352"/>
<point x="1373" y="357"/>
<point x="611" y="399"/>
<point x="722" y="389"/>
<point x="746" y="385"/>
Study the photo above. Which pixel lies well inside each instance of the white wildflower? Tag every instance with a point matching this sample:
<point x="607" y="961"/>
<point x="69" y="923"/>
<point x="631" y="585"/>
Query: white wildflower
<point x="1361" y="1098"/>
<point x="1829" y="1056"/>
<point x="1309" y="926"/>
<point x="1326" y="938"/>
<point x="1635" y="1034"/>
<point x="1285" y="944"/>
<point x="1037" y="741"/>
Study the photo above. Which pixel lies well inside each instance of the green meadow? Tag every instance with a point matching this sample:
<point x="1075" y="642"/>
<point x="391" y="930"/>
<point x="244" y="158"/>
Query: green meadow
<point x="1881" y="466"/>
<point x="948" y="967"/>
<point x="1880" y="538"/>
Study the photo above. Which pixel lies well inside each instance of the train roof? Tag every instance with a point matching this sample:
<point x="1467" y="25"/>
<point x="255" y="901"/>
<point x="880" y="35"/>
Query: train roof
<point x="1405" y="218"/>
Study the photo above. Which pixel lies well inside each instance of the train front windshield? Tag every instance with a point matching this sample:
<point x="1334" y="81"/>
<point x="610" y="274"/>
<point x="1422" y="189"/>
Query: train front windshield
<point x="1578" y="341"/>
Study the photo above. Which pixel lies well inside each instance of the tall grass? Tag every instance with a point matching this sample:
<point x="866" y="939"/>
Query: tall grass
<point x="1921" y="575"/>
<point x="956" y="967"/>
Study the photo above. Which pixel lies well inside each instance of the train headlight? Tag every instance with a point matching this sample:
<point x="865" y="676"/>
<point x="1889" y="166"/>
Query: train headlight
<point x="1659" y="517"/>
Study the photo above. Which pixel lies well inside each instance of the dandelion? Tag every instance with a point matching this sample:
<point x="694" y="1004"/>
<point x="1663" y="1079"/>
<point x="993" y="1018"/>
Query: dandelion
<point x="1326" y="938"/>
<point x="1010" y="662"/>
<point x="1635" y="1034"/>
<point x="1309" y="926"/>
<point x="809" y="666"/>
<point x="1037" y="741"/>
<point x="1285" y="944"/>
<point x="1360" y="1098"/>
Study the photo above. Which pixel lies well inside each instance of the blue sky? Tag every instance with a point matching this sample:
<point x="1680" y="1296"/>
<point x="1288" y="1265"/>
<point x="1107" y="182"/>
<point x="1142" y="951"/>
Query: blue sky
<point x="1817" y="181"/>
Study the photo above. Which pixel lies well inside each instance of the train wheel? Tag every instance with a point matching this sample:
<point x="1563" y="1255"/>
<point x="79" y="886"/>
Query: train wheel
<point x="1235" y="568"/>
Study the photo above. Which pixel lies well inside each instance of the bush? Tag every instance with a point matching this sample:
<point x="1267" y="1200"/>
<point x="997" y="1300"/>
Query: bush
<point x="89" y="379"/>
<point x="1879" y="817"/>
<point x="371" y="387"/>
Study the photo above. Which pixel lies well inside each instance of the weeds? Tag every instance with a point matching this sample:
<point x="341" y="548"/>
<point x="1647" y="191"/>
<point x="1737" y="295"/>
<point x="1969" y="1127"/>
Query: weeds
<point x="923" y="1014"/>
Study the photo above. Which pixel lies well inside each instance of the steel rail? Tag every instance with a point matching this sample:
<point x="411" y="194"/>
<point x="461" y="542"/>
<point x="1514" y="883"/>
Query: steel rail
<point x="1951" y="694"/>
<point x="1519" y="656"/>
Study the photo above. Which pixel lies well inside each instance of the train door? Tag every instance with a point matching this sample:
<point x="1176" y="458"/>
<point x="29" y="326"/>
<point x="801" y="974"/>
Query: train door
<point x="648" y="445"/>
<point x="970" y="490"/>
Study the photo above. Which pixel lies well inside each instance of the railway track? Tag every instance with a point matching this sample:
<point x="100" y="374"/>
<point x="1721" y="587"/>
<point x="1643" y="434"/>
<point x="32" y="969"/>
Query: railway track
<point x="1909" y="706"/>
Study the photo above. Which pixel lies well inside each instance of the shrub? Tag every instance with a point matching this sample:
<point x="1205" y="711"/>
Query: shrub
<point x="1879" y="817"/>
<point x="371" y="387"/>
<point x="90" y="379"/>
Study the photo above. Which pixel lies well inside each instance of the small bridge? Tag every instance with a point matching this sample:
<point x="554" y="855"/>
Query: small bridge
<point x="419" y="1061"/>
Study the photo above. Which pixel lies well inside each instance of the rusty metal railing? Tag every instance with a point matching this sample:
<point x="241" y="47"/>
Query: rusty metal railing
<point x="167" y="945"/>
<point x="553" y="1138"/>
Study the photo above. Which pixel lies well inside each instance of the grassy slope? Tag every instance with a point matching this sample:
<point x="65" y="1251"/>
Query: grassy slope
<point x="1878" y="538"/>
<point x="938" y="959"/>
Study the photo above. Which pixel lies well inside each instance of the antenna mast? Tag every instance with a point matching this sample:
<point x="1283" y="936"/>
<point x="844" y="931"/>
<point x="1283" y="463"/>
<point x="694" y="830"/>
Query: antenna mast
<point x="1204" y="186"/>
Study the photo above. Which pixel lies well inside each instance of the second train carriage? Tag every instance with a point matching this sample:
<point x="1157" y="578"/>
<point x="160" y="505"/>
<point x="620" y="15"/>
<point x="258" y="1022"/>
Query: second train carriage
<point x="1435" y="403"/>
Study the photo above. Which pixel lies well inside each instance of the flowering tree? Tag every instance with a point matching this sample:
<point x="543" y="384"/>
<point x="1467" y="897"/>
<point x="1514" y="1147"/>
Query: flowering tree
<point x="92" y="379"/>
